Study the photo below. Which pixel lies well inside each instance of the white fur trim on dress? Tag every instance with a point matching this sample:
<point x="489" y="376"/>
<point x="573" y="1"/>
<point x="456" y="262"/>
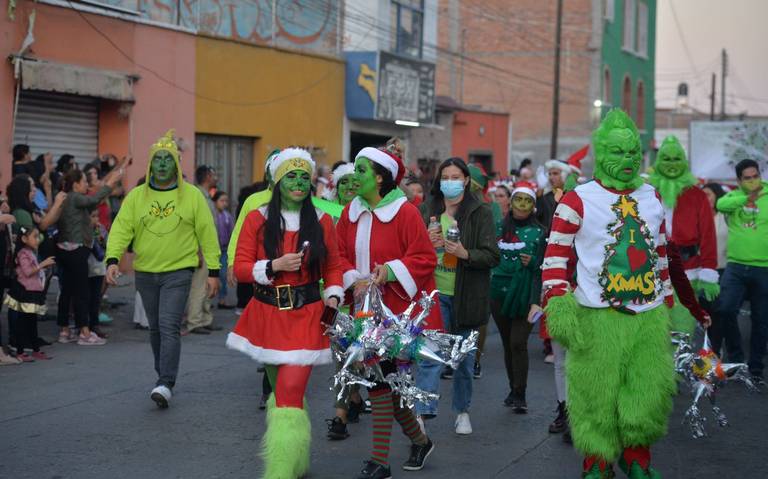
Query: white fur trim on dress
<point x="330" y="291"/>
<point x="403" y="276"/>
<point x="341" y="171"/>
<point x="709" y="275"/>
<point x="511" y="246"/>
<point x="380" y="157"/>
<point x="260" y="272"/>
<point x="385" y="214"/>
<point x="289" y="154"/>
<point x="298" y="357"/>
<point x="351" y="277"/>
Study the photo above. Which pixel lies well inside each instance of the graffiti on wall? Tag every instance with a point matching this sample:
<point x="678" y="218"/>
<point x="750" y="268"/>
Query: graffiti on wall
<point x="309" y="24"/>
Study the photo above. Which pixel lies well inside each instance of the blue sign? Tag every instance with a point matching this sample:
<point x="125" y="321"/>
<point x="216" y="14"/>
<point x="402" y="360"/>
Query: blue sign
<point x="360" y="88"/>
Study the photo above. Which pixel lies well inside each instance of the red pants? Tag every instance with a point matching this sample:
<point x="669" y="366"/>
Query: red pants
<point x="291" y="385"/>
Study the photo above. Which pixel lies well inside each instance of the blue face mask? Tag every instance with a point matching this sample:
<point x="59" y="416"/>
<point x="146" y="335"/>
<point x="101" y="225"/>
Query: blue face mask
<point x="451" y="188"/>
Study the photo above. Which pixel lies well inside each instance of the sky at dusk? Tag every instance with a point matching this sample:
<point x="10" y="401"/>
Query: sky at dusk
<point x="706" y="27"/>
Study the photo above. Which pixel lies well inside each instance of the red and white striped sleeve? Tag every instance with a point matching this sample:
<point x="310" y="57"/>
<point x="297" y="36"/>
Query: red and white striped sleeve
<point x="663" y="265"/>
<point x="565" y="224"/>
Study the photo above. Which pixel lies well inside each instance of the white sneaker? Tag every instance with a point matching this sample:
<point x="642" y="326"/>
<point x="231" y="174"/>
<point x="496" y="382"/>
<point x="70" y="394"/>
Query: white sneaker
<point x="91" y="340"/>
<point x="162" y="396"/>
<point x="463" y="426"/>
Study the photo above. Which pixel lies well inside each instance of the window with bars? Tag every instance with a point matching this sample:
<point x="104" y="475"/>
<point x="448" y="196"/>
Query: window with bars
<point x="630" y="8"/>
<point x="642" y="29"/>
<point x="408" y="24"/>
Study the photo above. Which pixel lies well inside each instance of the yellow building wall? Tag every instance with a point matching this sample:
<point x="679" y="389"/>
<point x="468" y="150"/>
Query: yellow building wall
<point x="281" y="98"/>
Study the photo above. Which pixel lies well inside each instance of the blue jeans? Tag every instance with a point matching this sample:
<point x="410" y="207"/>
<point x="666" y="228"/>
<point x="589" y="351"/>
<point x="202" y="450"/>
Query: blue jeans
<point x="741" y="282"/>
<point x="428" y="373"/>
<point x="223" y="275"/>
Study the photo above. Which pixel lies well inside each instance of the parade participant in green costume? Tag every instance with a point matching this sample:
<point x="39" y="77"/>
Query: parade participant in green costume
<point x="615" y="320"/>
<point x="281" y="326"/>
<point x="167" y="220"/>
<point x="343" y="175"/>
<point x="690" y="225"/>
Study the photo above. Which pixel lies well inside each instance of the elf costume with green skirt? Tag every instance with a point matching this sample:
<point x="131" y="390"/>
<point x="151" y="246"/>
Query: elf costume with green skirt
<point x="615" y="321"/>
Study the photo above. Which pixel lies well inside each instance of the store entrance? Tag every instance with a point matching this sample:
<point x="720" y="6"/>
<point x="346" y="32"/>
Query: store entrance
<point x="358" y="141"/>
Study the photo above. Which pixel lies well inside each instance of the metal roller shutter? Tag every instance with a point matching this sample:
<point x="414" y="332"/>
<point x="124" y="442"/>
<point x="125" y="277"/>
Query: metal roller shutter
<point x="58" y="123"/>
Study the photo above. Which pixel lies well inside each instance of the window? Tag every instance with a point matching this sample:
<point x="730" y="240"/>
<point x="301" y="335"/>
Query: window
<point x="626" y="96"/>
<point x="408" y="22"/>
<point x="629" y="25"/>
<point x="642" y="29"/>
<point x="231" y="157"/>
<point x="608" y="7"/>
<point x="640" y="116"/>
<point x="607" y="100"/>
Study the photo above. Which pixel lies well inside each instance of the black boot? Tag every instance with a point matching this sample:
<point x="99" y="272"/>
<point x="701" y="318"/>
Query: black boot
<point x="560" y="424"/>
<point x="337" y="430"/>
<point x="419" y="454"/>
<point x="373" y="470"/>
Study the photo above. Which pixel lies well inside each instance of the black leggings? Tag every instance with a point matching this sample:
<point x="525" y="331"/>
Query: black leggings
<point x="514" y="334"/>
<point x="25" y="331"/>
<point x="75" y="288"/>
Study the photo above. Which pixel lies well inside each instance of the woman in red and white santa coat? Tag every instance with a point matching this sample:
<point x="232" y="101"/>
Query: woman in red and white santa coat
<point x="382" y="237"/>
<point x="281" y="325"/>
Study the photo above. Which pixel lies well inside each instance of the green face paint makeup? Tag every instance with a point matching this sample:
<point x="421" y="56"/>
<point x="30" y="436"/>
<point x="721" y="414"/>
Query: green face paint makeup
<point x="294" y="189"/>
<point x="522" y="203"/>
<point x="365" y="178"/>
<point x="347" y="189"/>
<point x="163" y="168"/>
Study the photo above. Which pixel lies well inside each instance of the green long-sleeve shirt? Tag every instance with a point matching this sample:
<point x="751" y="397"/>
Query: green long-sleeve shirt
<point x="747" y="227"/>
<point x="167" y="228"/>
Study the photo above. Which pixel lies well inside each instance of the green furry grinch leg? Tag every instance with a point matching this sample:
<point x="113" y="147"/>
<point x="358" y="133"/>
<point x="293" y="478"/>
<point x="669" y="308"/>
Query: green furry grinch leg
<point x="621" y="382"/>
<point x="285" y="446"/>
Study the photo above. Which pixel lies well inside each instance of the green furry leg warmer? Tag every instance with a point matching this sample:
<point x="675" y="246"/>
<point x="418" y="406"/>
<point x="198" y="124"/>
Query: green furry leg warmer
<point x="563" y="322"/>
<point x="620" y="384"/>
<point x="285" y="446"/>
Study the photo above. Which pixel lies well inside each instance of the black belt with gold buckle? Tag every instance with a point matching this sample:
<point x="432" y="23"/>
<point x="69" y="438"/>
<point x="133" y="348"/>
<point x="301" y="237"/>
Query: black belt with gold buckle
<point x="286" y="297"/>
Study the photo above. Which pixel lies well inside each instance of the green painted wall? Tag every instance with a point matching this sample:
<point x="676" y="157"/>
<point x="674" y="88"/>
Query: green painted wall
<point x="622" y="63"/>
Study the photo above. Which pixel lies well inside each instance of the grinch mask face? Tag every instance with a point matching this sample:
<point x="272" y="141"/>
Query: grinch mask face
<point x="618" y="152"/>
<point x="365" y="178"/>
<point x="347" y="189"/>
<point x="670" y="161"/>
<point x="523" y="204"/>
<point x="294" y="189"/>
<point x="163" y="168"/>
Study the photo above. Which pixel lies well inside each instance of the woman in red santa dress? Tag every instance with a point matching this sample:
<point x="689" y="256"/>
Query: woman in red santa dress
<point x="285" y="248"/>
<point x="382" y="238"/>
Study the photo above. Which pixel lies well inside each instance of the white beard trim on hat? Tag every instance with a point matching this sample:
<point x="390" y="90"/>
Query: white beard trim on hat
<point x="381" y="158"/>
<point x="341" y="171"/>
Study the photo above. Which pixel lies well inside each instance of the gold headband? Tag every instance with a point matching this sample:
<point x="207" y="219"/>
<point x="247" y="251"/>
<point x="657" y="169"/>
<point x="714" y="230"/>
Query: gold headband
<point x="291" y="164"/>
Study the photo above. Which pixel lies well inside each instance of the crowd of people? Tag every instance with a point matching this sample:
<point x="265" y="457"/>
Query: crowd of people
<point x="603" y="269"/>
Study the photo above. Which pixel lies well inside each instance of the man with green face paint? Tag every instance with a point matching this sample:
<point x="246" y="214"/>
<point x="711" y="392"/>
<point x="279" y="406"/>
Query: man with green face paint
<point x="690" y="225"/>
<point x="168" y="221"/>
<point x="614" y="322"/>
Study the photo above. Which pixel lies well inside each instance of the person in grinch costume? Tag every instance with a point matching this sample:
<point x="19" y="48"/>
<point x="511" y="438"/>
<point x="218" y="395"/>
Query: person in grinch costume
<point x="167" y="220"/>
<point x="690" y="225"/>
<point x="614" y="320"/>
<point x="285" y="248"/>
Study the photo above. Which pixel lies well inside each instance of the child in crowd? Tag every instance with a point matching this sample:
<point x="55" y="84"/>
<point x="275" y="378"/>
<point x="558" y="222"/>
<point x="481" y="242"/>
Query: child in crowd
<point x="225" y="223"/>
<point x="26" y="298"/>
<point x="96" y="272"/>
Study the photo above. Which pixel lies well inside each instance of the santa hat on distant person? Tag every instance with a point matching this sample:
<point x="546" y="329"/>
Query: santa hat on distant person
<point x="574" y="161"/>
<point x="385" y="158"/>
<point x="560" y="165"/>
<point x="526" y="188"/>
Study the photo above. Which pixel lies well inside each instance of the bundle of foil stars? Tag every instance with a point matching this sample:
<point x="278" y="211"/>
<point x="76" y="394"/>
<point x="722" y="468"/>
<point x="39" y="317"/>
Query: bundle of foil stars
<point x="360" y="342"/>
<point x="705" y="373"/>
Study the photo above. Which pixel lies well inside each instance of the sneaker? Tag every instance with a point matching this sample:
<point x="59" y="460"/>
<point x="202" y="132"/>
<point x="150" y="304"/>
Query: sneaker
<point x="478" y="372"/>
<point x="25" y="358"/>
<point x="463" y="426"/>
<point x="447" y="373"/>
<point x="373" y="470"/>
<point x="91" y="340"/>
<point x="6" y="360"/>
<point x="337" y="430"/>
<point x="560" y="424"/>
<point x="67" y="337"/>
<point x="353" y="412"/>
<point x="419" y="455"/>
<point x="519" y="406"/>
<point x="41" y="355"/>
<point x="509" y="399"/>
<point x="162" y="396"/>
<point x="104" y="318"/>
<point x="549" y="359"/>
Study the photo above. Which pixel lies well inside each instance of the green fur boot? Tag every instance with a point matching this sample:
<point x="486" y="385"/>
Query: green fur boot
<point x="597" y="469"/>
<point x="285" y="446"/>
<point x="635" y="463"/>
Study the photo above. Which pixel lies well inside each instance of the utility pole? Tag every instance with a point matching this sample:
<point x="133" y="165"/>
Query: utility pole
<point x="461" y="72"/>
<point x="556" y="96"/>
<point x="722" y="84"/>
<point x="712" y="99"/>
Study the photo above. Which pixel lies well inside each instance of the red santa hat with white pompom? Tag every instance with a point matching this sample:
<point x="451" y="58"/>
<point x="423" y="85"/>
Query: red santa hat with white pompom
<point x="385" y="158"/>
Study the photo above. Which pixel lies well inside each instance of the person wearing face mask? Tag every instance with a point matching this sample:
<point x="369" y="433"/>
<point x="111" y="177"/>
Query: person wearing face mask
<point x="516" y="288"/>
<point x="463" y="282"/>
<point x="746" y="274"/>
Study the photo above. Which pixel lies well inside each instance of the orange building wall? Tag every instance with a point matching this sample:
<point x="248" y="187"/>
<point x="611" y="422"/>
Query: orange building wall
<point x="61" y="35"/>
<point x="467" y="137"/>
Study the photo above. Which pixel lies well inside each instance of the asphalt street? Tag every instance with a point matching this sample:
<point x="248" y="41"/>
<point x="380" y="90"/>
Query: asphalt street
<point x="87" y="414"/>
